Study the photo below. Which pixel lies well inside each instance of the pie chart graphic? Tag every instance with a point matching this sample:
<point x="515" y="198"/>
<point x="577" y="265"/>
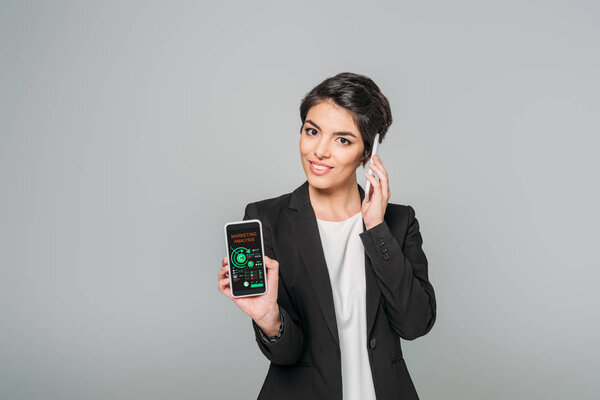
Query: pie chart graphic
<point x="239" y="257"/>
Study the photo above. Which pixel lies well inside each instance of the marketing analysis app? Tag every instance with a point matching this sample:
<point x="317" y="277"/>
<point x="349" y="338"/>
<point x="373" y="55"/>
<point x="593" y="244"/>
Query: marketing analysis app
<point x="245" y="255"/>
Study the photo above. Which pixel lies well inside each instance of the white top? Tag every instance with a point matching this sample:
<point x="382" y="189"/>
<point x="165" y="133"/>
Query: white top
<point x="345" y="257"/>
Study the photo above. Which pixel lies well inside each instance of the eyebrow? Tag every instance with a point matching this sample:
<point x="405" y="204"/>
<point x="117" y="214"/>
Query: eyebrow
<point x="335" y="133"/>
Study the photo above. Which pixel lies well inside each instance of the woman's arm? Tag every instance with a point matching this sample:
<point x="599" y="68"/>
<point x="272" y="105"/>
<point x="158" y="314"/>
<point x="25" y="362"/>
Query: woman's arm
<point x="288" y="348"/>
<point x="275" y="337"/>
<point x="409" y="298"/>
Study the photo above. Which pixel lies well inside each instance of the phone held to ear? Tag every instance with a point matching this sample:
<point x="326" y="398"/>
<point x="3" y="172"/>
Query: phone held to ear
<point x="246" y="258"/>
<point x="374" y="152"/>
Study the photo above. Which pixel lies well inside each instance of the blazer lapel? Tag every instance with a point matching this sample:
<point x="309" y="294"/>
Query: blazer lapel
<point x="306" y="231"/>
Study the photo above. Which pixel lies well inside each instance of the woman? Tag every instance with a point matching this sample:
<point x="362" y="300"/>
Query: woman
<point x="350" y="270"/>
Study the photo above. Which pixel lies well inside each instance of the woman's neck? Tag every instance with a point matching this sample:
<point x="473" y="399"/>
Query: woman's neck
<point x="335" y="204"/>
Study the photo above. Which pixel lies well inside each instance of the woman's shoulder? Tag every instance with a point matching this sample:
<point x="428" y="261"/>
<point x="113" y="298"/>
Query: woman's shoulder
<point x="267" y="209"/>
<point x="272" y="202"/>
<point x="278" y="203"/>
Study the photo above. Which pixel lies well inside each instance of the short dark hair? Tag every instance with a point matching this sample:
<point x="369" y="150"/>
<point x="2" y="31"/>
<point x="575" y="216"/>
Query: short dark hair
<point x="361" y="97"/>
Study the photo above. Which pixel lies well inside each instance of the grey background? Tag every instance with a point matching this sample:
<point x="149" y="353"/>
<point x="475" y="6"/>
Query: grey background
<point x="127" y="131"/>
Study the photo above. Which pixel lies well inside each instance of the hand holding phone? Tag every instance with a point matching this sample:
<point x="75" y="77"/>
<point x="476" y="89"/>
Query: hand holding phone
<point x="250" y="278"/>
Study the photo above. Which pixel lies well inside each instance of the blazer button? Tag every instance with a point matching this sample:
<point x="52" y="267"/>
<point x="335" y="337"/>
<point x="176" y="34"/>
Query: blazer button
<point x="380" y="242"/>
<point x="385" y="256"/>
<point x="372" y="343"/>
<point x="383" y="250"/>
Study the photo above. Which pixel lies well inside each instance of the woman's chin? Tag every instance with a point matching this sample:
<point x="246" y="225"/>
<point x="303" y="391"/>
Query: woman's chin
<point x="318" y="182"/>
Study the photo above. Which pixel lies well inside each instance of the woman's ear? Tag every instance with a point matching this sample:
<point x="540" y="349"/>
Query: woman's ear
<point x="364" y="158"/>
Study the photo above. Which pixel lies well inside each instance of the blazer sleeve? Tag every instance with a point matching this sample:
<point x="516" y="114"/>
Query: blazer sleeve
<point x="288" y="347"/>
<point x="401" y="271"/>
<point x="271" y="339"/>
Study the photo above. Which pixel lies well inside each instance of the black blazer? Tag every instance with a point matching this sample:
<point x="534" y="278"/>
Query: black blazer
<point x="305" y="361"/>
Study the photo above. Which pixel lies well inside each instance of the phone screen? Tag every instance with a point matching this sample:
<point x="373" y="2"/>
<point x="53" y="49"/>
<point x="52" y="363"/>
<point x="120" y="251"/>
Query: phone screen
<point x="244" y="246"/>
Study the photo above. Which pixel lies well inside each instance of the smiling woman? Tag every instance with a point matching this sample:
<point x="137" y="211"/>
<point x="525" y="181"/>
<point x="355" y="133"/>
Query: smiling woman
<point x="363" y="102"/>
<point x="347" y="278"/>
<point x="325" y="150"/>
<point x="340" y="118"/>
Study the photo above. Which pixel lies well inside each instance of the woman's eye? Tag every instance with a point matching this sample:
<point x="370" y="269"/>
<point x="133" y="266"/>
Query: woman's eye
<point x="309" y="132"/>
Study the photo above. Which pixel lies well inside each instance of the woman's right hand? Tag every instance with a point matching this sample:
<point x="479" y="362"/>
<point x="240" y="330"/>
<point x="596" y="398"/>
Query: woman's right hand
<point x="263" y="309"/>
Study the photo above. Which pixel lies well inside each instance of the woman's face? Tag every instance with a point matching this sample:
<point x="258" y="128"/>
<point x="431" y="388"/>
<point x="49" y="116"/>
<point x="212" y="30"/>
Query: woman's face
<point x="330" y="137"/>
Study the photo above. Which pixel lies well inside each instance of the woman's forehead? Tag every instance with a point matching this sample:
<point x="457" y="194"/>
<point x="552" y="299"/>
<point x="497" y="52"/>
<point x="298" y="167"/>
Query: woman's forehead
<point x="330" y="116"/>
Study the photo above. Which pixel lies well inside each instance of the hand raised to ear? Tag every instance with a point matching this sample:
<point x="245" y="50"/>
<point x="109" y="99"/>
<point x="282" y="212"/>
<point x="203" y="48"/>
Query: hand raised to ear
<point x="375" y="202"/>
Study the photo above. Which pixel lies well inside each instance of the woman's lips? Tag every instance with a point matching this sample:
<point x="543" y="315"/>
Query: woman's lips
<point x="318" y="171"/>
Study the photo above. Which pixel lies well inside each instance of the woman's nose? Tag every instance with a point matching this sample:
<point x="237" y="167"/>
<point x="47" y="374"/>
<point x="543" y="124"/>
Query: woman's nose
<point x="322" y="148"/>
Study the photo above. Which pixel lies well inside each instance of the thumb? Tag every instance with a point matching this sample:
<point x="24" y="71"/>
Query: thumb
<point x="272" y="264"/>
<point x="272" y="272"/>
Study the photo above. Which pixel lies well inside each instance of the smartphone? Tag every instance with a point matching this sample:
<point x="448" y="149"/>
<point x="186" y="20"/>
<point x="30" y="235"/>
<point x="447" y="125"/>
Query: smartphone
<point x="246" y="256"/>
<point x="375" y="147"/>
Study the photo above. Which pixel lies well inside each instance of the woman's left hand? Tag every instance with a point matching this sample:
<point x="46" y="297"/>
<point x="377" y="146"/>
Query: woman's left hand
<point x="373" y="210"/>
